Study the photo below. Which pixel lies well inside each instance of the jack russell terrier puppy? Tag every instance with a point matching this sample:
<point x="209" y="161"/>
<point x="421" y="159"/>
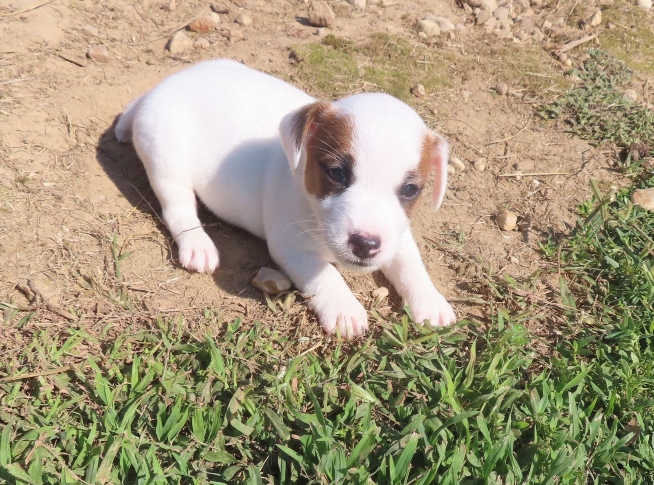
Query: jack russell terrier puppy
<point x="321" y="182"/>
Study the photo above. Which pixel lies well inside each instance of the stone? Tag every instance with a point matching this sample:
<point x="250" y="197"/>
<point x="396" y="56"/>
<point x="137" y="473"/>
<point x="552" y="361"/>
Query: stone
<point x="595" y="19"/>
<point x="502" y="13"/>
<point x="631" y="95"/>
<point x="506" y="220"/>
<point x="547" y="25"/>
<point x="490" y="5"/>
<point x="243" y="19"/>
<point x="320" y="14"/>
<point x="646" y="4"/>
<point x="457" y="164"/>
<point x="479" y="165"/>
<point x="235" y="35"/>
<point x="202" y="43"/>
<point x="490" y="24"/>
<point x="271" y="281"/>
<point x="473" y="3"/>
<point x="172" y="5"/>
<point x="444" y="24"/>
<point x="91" y="30"/>
<point x="430" y="28"/>
<point x="644" y="198"/>
<point x="358" y="4"/>
<point x="501" y="88"/>
<point x="418" y="91"/>
<point x="98" y="53"/>
<point x="179" y="42"/>
<point x="380" y="293"/>
<point x="451" y="170"/>
<point x="484" y="16"/>
<point x="214" y="17"/>
<point x="201" y="25"/>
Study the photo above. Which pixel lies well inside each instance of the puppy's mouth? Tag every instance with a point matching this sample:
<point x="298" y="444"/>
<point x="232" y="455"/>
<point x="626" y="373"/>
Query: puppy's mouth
<point x="359" y="265"/>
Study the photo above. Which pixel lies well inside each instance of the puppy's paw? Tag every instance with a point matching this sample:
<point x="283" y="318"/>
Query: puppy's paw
<point x="344" y="316"/>
<point x="197" y="252"/>
<point x="433" y="307"/>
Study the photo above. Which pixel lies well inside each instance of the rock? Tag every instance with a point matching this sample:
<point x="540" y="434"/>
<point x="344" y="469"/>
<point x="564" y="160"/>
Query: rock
<point x="562" y="57"/>
<point x="502" y="13"/>
<point x="484" y="16"/>
<point x="451" y="170"/>
<point x="595" y="19"/>
<point x="320" y="14"/>
<point x="479" y="165"/>
<point x="505" y="24"/>
<point x="490" y="24"/>
<point x="214" y="17"/>
<point x="567" y="63"/>
<point x="201" y="25"/>
<point x="644" y="198"/>
<point x="525" y="166"/>
<point x="460" y="27"/>
<point x="179" y="42"/>
<point x="202" y="43"/>
<point x="631" y="95"/>
<point x="234" y="35"/>
<point x="423" y="36"/>
<point x="418" y="91"/>
<point x="506" y="220"/>
<point x="271" y="281"/>
<point x="490" y="5"/>
<point x="172" y="5"/>
<point x="457" y="164"/>
<point x="320" y="32"/>
<point x="358" y="4"/>
<point x="501" y="88"/>
<point x="646" y="4"/>
<point x="444" y="24"/>
<point x="243" y="19"/>
<point x="91" y="30"/>
<point x="380" y="293"/>
<point x="473" y="3"/>
<point x="98" y="53"/>
<point x="547" y="25"/>
<point x="430" y="28"/>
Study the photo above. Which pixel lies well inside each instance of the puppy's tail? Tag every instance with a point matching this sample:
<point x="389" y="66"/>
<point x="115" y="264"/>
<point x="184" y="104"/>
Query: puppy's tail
<point x="123" y="129"/>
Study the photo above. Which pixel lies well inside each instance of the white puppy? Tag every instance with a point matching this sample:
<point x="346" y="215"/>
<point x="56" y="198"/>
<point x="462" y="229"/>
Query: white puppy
<point x="322" y="182"/>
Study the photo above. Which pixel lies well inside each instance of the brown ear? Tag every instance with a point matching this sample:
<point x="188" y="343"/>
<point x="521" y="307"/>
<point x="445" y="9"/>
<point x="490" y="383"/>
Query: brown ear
<point x="440" y="155"/>
<point x="294" y="129"/>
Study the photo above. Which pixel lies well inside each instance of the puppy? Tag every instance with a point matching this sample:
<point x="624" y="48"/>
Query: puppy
<point x="322" y="182"/>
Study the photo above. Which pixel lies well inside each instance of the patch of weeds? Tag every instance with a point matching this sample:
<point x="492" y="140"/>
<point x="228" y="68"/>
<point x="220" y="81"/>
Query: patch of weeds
<point x="338" y="67"/>
<point x="632" y="39"/>
<point x="597" y="110"/>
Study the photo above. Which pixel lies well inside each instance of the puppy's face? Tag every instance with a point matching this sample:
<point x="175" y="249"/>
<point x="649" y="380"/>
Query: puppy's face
<point x="363" y="161"/>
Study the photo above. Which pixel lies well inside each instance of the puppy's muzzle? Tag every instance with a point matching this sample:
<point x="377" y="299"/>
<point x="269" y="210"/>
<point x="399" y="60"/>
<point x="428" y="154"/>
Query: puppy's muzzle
<point x="364" y="246"/>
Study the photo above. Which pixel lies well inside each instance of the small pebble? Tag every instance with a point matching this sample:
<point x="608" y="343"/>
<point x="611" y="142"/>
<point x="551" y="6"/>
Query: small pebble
<point x="501" y="88"/>
<point x="172" y="5"/>
<point x="214" y="17"/>
<point x="457" y="164"/>
<point x="271" y="281"/>
<point x="429" y="28"/>
<point x="479" y="165"/>
<point x="567" y="63"/>
<point x="525" y="166"/>
<point x="646" y="4"/>
<point x="418" y="91"/>
<point x="178" y="43"/>
<point x="320" y="32"/>
<point x="484" y="16"/>
<point x="320" y="14"/>
<point x="444" y="24"/>
<point x="547" y="25"/>
<point x="380" y="293"/>
<point x="98" y="53"/>
<point x="202" y="43"/>
<point x="451" y="170"/>
<point x="235" y="35"/>
<point x="514" y="260"/>
<point x="243" y="19"/>
<point x="644" y="198"/>
<point x="506" y="220"/>
<point x="545" y="192"/>
<point x="201" y="25"/>
<point x="91" y="30"/>
<point x="595" y="19"/>
<point x="563" y="57"/>
<point x="358" y="4"/>
<point x="631" y="95"/>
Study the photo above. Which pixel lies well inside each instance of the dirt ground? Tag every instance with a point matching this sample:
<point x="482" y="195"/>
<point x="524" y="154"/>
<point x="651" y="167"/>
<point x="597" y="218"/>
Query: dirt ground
<point x="79" y="221"/>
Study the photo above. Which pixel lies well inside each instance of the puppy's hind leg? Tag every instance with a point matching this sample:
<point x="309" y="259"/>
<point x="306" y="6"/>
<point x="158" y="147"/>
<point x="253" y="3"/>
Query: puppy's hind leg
<point x="197" y="251"/>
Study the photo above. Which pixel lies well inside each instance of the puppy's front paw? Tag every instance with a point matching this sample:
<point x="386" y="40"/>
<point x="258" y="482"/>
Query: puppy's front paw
<point x="197" y="252"/>
<point x="433" y="307"/>
<point x="344" y="316"/>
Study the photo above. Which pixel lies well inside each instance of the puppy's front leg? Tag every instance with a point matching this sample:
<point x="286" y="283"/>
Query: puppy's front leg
<point x="408" y="275"/>
<point x="336" y="307"/>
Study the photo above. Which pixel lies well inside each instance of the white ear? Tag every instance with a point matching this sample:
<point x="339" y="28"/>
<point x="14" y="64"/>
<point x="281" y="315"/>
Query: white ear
<point x="440" y="156"/>
<point x="293" y="130"/>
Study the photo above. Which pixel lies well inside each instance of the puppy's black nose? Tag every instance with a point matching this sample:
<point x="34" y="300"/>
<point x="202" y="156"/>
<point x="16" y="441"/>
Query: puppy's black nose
<point x="364" y="246"/>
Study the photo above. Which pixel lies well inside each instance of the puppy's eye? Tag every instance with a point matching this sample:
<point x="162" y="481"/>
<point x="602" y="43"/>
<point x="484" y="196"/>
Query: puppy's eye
<point x="337" y="175"/>
<point x="409" y="191"/>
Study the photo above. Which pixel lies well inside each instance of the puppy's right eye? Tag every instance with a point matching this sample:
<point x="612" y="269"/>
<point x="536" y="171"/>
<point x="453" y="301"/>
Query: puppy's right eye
<point x="337" y="175"/>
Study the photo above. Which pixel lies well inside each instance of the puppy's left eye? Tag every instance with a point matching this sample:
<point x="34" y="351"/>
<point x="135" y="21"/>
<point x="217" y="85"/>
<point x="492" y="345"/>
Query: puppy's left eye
<point x="337" y="175"/>
<point x="409" y="191"/>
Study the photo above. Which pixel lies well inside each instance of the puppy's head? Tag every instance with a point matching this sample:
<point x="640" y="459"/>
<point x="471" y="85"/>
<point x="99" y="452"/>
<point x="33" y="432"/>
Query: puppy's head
<point x="363" y="161"/>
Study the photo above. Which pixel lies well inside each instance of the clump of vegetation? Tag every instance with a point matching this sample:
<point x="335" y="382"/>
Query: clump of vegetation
<point x="597" y="109"/>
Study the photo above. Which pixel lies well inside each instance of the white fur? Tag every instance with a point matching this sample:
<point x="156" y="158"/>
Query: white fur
<point x="223" y="132"/>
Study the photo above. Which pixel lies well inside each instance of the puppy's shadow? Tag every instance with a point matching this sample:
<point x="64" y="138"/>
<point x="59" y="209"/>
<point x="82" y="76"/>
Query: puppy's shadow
<point x="241" y="253"/>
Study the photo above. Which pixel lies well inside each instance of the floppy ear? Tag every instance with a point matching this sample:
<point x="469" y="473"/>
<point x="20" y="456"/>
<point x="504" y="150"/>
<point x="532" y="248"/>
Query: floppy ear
<point x="440" y="155"/>
<point x="294" y="129"/>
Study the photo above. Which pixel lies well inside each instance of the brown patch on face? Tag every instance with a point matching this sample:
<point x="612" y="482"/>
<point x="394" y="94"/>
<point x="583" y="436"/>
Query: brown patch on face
<point x="330" y="165"/>
<point x="419" y="175"/>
